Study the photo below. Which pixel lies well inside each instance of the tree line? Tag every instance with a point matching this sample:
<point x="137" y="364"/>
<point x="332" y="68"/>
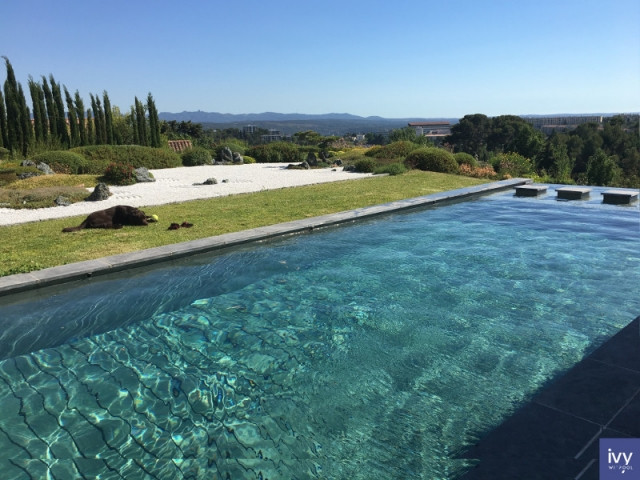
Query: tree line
<point x="607" y="154"/>
<point x="60" y="121"/>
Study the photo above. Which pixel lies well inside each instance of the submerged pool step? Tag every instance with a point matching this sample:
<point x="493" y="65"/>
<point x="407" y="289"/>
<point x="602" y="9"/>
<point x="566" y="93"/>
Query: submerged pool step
<point x="573" y="193"/>
<point x="619" y="197"/>
<point x="530" y="190"/>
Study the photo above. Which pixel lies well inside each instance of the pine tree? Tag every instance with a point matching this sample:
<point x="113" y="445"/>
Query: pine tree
<point x="74" y="134"/>
<point x="82" y="126"/>
<point x="108" y="119"/>
<point x="154" y="122"/>
<point x="61" y="120"/>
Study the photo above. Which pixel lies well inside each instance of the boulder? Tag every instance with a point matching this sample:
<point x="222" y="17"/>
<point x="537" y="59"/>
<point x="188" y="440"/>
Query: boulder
<point x="210" y="181"/>
<point x="237" y="158"/>
<point x="349" y="168"/>
<point x="101" y="192"/>
<point x="142" y="174"/>
<point x="46" y="169"/>
<point x="24" y="175"/>
<point x="312" y="160"/>
<point x="62" y="201"/>
<point x="226" y="155"/>
<point x="27" y="163"/>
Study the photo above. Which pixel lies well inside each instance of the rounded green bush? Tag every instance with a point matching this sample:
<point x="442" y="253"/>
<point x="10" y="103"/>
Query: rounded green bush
<point x="248" y="159"/>
<point x="196" y="156"/>
<point x="399" y="149"/>
<point x="64" y="161"/>
<point x="365" y="165"/>
<point x="276" y="152"/>
<point x="4" y="153"/>
<point x="432" y="159"/>
<point x="464" y="158"/>
<point x="135" y="155"/>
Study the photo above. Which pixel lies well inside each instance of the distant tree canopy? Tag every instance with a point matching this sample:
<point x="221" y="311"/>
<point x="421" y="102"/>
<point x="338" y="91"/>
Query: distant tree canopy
<point x="60" y="121"/>
<point x="607" y="155"/>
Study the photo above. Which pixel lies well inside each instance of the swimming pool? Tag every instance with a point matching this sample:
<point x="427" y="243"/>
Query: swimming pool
<point x="375" y="350"/>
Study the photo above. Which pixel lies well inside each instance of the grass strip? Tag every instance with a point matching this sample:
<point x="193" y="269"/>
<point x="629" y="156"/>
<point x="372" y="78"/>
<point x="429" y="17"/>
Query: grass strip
<point x="38" y="245"/>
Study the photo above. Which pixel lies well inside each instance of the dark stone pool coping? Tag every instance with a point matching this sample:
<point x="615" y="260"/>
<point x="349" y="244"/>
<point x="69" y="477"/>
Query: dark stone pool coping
<point x="77" y="271"/>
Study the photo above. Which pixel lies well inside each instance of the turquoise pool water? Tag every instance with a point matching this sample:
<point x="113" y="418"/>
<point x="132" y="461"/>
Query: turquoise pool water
<point x="375" y="350"/>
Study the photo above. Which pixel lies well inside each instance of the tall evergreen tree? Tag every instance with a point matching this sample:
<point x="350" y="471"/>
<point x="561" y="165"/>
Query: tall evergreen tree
<point x="14" y="125"/>
<point x="108" y="119"/>
<point x="74" y="134"/>
<point x="141" y="123"/>
<point x="154" y="122"/>
<point x="97" y="118"/>
<point x="25" y="119"/>
<point x="4" y="141"/>
<point x="39" y="112"/>
<point x="61" y="120"/>
<point x="134" y="126"/>
<point x="90" y="124"/>
<point x="51" y="108"/>
<point x="82" y="125"/>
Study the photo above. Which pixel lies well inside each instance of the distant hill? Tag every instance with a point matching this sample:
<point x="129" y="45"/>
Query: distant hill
<point x="289" y="123"/>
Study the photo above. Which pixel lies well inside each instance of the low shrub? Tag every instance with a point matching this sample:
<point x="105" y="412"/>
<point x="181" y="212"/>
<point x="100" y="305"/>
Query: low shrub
<point x="4" y="153"/>
<point x="391" y="169"/>
<point x="365" y="165"/>
<point x="196" y="156"/>
<point x="276" y="152"/>
<point x="432" y="159"/>
<point x="513" y="165"/>
<point x="399" y="149"/>
<point x="482" y="171"/>
<point x="464" y="158"/>
<point x="119" y="174"/>
<point x="135" y="155"/>
<point x="248" y="159"/>
<point x="64" y="161"/>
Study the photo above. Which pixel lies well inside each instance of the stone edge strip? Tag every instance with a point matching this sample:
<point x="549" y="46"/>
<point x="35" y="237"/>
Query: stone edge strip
<point x="81" y="270"/>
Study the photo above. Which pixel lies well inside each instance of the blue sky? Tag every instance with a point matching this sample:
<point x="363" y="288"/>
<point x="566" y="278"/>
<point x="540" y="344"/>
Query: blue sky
<point x="445" y="58"/>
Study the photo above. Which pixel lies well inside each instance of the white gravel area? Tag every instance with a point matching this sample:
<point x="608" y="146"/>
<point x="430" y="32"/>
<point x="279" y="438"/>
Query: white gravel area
<point x="175" y="185"/>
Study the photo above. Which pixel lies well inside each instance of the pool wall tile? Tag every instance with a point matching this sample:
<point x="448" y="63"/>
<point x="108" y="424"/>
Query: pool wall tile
<point x="82" y="270"/>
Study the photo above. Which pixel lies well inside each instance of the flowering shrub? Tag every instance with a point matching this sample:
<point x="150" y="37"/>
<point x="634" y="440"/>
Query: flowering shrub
<point x="477" y="172"/>
<point x="119" y="174"/>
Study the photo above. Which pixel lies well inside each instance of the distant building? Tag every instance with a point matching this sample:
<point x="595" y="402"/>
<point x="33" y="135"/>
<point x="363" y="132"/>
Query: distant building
<point x="272" y="136"/>
<point x="549" y="125"/>
<point x="248" y="129"/>
<point x="432" y="130"/>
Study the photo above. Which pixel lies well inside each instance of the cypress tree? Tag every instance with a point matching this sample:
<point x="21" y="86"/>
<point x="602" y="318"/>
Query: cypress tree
<point x="90" y="137"/>
<point x="96" y="120"/>
<point x="25" y="120"/>
<point x="142" y="123"/>
<point x="61" y="120"/>
<point x="108" y="119"/>
<point x="51" y="108"/>
<point x="82" y="126"/>
<point x="14" y="125"/>
<point x="154" y="122"/>
<point x="74" y="135"/>
<point x="38" y="111"/>
<point x="4" y="141"/>
<point x="134" y="126"/>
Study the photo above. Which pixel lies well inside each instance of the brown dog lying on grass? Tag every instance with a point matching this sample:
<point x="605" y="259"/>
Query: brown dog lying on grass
<point x="114" y="217"/>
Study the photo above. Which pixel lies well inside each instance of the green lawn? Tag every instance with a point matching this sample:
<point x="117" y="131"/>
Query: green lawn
<point x="33" y="246"/>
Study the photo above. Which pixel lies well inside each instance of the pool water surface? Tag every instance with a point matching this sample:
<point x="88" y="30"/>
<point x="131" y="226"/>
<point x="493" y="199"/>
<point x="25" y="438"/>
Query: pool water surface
<point x="381" y="349"/>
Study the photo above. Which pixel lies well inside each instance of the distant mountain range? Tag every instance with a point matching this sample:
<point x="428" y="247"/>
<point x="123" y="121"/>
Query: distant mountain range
<point x="289" y="123"/>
